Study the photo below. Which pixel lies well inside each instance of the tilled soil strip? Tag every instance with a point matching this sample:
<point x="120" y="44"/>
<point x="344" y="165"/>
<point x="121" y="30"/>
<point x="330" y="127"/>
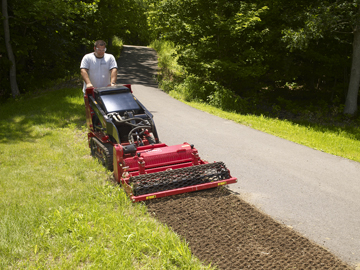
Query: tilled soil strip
<point x="223" y="229"/>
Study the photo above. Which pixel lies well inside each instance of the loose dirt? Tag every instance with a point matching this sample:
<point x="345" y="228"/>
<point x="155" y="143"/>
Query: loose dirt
<point x="224" y="230"/>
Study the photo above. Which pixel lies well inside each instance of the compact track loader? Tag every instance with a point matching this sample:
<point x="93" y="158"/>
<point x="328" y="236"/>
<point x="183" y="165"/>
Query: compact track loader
<point x="123" y="136"/>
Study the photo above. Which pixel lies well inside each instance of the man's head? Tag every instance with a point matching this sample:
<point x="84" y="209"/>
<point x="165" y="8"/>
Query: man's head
<point x="99" y="48"/>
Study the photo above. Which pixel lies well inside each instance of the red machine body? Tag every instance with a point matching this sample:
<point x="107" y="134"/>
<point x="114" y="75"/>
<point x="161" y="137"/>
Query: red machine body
<point x="126" y="141"/>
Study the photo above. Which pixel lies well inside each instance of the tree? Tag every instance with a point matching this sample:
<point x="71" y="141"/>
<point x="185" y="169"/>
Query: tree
<point x="339" y="17"/>
<point x="353" y="90"/>
<point x="45" y="41"/>
<point x="49" y="38"/>
<point x="126" y="19"/>
<point x="13" y="82"/>
<point x="218" y="40"/>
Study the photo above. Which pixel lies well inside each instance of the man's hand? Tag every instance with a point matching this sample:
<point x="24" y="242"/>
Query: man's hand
<point x="85" y="75"/>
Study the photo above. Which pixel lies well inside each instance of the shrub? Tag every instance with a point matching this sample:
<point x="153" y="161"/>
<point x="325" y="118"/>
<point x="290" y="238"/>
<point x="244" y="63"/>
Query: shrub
<point x="117" y="45"/>
<point x="167" y="59"/>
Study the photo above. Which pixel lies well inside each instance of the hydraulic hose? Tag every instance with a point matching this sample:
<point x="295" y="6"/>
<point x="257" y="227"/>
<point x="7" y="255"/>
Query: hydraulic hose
<point x="132" y="131"/>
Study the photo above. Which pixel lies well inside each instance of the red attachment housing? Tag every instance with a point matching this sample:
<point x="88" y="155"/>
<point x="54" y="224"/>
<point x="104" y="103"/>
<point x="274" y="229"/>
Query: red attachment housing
<point x="157" y="158"/>
<point x="154" y="158"/>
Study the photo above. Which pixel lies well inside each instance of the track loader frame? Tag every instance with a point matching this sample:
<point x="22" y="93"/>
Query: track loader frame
<point x="123" y="137"/>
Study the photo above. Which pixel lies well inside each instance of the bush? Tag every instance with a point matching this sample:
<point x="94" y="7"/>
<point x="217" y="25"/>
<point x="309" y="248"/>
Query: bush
<point x="173" y="78"/>
<point x="227" y="100"/>
<point x="167" y="59"/>
<point x="117" y="46"/>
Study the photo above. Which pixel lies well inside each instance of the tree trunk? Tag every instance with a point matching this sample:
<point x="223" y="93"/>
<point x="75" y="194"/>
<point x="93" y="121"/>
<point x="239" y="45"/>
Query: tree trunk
<point x="14" y="87"/>
<point x="353" y="90"/>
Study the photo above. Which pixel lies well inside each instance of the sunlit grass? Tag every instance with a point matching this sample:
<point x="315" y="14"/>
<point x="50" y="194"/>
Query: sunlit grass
<point x="57" y="209"/>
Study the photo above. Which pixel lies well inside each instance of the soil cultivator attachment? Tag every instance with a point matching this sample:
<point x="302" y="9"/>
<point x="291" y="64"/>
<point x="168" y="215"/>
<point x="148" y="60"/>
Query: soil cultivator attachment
<point x="123" y="136"/>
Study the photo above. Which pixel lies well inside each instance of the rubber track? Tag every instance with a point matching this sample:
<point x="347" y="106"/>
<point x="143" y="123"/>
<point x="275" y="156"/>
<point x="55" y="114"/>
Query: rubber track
<point x="107" y="149"/>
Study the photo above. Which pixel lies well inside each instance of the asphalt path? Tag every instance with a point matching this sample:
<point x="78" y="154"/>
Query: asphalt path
<point x="315" y="193"/>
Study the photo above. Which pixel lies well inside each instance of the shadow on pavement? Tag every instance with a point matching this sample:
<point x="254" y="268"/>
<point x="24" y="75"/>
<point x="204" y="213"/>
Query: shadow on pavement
<point x="137" y="65"/>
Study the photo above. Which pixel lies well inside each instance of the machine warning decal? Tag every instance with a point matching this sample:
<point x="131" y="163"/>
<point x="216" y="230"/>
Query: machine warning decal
<point x="152" y="150"/>
<point x="222" y="183"/>
<point x="151" y="197"/>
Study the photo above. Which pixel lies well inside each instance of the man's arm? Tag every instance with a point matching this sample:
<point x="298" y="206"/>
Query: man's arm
<point x="113" y="76"/>
<point x="85" y="75"/>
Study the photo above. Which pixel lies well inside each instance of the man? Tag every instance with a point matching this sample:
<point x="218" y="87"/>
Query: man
<point x="98" y="69"/>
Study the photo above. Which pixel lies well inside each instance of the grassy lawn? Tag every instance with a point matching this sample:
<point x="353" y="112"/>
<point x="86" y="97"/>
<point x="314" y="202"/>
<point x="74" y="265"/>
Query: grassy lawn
<point x="57" y="208"/>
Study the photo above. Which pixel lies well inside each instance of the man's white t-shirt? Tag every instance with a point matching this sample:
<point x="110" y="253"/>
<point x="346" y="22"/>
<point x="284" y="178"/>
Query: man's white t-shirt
<point x="98" y="68"/>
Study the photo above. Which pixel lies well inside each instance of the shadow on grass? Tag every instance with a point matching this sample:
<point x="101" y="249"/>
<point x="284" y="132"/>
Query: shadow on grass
<point x="32" y="117"/>
<point x="345" y="128"/>
<point x="312" y="109"/>
<point x="349" y="132"/>
<point x="308" y="109"/>
<point x="340" y="125"/>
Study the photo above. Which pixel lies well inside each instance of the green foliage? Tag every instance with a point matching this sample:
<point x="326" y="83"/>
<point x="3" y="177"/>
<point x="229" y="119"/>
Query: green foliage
<point x="125" y="18"/>
<point x="321" y="19"/>
<point x="117" y="46"/>
<point x="291" y="101"/>
<point x="49" y="38"/>
<point x="167" y="60"/>
<point x="208" y="38"/>
<point x="248" y="46"/>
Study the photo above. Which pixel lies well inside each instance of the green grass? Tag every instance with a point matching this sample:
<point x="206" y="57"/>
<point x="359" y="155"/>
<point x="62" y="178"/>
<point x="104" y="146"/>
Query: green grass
<point x="339" y="141"/>
<point x="57" y="209"/>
